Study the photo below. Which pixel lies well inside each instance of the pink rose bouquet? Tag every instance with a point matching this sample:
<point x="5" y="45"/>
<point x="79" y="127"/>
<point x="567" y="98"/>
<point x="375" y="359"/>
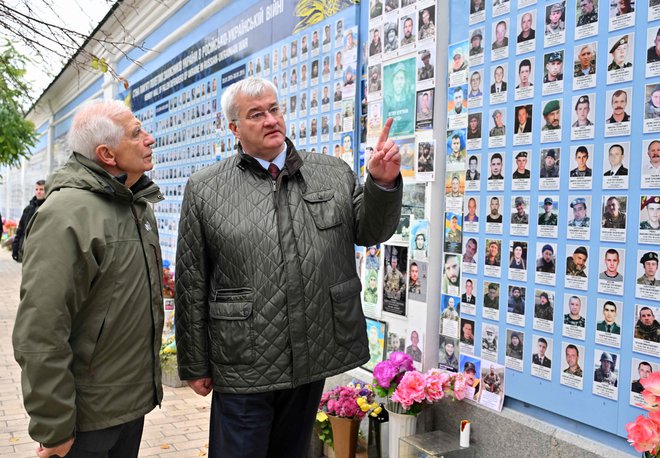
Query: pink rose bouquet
<point x="407" y="390"/>
<point x="644" y="432"/>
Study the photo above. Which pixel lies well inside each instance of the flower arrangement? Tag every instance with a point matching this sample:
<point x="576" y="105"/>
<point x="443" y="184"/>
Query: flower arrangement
<point x="644" y="433"/>
<point x="407" y="390"/>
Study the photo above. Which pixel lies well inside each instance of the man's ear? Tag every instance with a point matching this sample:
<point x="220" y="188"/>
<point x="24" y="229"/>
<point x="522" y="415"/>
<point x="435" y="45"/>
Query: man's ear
<point x="105" y="156"/>
<point x="234" y="129"/>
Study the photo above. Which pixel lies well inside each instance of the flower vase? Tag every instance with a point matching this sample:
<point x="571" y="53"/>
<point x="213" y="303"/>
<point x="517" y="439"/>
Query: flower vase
<point x="344" y="435"/>
<point x="401" y="425"/>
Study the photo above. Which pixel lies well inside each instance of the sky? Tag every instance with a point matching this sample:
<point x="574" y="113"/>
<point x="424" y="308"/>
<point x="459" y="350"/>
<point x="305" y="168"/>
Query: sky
<point x="80" y="15"/>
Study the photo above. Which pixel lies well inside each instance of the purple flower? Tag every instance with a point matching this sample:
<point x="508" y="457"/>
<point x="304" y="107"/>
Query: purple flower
<point x="401" y="361"/>
<point x="384" y="372"/>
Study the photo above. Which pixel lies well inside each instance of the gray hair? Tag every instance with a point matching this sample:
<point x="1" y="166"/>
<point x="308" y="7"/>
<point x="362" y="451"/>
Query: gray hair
<point x="252" y="87"/>
<point x="96" y="123"/>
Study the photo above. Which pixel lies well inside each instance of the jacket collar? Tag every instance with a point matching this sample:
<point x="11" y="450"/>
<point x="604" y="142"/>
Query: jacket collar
<point x="292" y="163"/>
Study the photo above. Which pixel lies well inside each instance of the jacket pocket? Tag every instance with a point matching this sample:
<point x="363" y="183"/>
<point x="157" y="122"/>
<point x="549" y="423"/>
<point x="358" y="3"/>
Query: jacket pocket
<point x="323" y="208"/>
<point x="231" y="326"/>
<point x="347" y="310"/>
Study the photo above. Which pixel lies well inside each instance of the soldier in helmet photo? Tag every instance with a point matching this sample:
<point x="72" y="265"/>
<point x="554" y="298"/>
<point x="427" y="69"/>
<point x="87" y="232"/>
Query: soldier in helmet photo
<point x="605" y="373"/>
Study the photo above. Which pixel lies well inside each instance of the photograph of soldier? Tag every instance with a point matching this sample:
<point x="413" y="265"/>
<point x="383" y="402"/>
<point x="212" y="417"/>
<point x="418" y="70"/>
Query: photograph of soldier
<point x="413" y="349"/>
<point x="543" y="308"/>
<point x="372" y="259"/>
<point x="574" y="317"/>
<point x="650" y="220"/>
<point x="458" y="64"/>
<point x="501" y="35"/>
<point x="375" y="80"/>
<point x="467" y="297"/>
<point x="572" y="361"/>
<point x="576" y="264"/>
<point x="458" y="104"/>
<point x="611" y="263"/>
<point x="579" y="208"/>
<point x="644" y="370"/>
<point x="552" y="115"/>
<point x="523" y="122"/>
<point x="371" y="291"/>
<point x="587" y="12"/>
<point x="515" y="347"/>
<point x="450" y="308"/>
<point x="471" y="215"/>
<point x="494" y="216"/>
<point x="653" y="53"/>
<point x="492" y="295"/>
<point x="616" y="159"/>
<point x="550" y="163"/>
<point x="554" y="67"/>
<point x="456" y="154"/>
<point x="609" y="324"/>
<point x="621" y="7"/>
<point x="521" y="171"/>
<point x="606" y="371"/>
<point x="619" y="54"/>
<point x="472" y="173"/>
<point x="498" y="129"/>
<point x="549" y="215"/>
<point x="407" y="29"/>
<point x="425" y="69"/>
<point x="581" y="159"/>
<point x="394" y="282"/>
<point x="425" y="106"/>
<point x="376" y="332"/>
<point x="619" y="102"/>
<point x="427" y="23"/>
<point x="489" y="339"/>
<point x="520" y="216"/>
<point x="526" y="31"/>
<point x="647" y="327"/>
<point x="471" y="248"/>
<point x="499" y="85"/>
<point x="525" y="77"/>
<point x="581" y="116"/>
<point x="391" y="36"/>
<point x="477" y="6"/>
<point x="555" y="18"/>
<point x="652" y="167"/>
<point x="652" y="105"/>
<point x="452" y="275"/>
<point x="414" y="282"/>
<point x="492" y="381"/>
<point x="447" y="357"/>
<point x="649" y="262"/>
<point x="585" y="60"/>
<point x="539" y="357"/>
<point x="547" y="261"/>
<point x="496" y="167"/>
<point x="425" y="157"/>
<point x="613" y="216"/>
<point x="518" y="256"/>
<point x="475" y="85"/>
<point x="376" y="9"/>
<point x="516" y="302"/>
<point x="467" y="331"/>
<point x="474" y="128"/>
<point x="453" y="233"/>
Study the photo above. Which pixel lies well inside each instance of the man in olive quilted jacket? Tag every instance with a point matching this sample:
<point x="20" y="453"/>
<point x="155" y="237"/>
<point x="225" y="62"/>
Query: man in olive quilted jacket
<point x="268" y="298"/>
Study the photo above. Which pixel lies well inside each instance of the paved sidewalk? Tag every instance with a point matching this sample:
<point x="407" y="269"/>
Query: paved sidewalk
<point x="178" y="429"/>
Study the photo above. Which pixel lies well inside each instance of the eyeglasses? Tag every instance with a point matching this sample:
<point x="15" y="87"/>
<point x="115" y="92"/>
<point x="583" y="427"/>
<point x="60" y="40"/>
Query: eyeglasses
<point x="260" y="116"/>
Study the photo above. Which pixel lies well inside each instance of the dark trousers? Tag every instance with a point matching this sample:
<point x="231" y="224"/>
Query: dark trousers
<point x="121" y="441"/>
<point x="277" y="424"/>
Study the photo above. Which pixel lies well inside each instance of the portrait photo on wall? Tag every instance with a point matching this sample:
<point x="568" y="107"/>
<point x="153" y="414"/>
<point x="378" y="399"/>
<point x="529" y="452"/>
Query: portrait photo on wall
<point x="526" y="39"/>
<point x="525" y="78"/>
<point x="622" y="14"/>
<point x="424" y="112"/>
<point x="584" y="65"/>
<point x="500" y="36"/>
<point x="575" y="316"/>
<point x="572" y="364"/>
<point x="399" y="96"/>
<point x="606" y="374"/>
<point x="647" y="330"/>
<point x="620" y="59"/>
<point x="555" y="24"/>
<point x="586" y="18"/>
<point x="515" y="350"/>
<point x="476" y="88"/>
<point x="649" y="220"/>
<point x="376" y="334"/>
<point x="394" y="280"/>
<point x="608" y="322"/>
<point x="476" y="50"/>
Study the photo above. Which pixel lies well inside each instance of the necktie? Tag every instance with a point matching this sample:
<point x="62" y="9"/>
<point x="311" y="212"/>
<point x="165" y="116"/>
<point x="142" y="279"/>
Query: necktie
<point x="609" y="328"/>
<point x="273" y="170"/>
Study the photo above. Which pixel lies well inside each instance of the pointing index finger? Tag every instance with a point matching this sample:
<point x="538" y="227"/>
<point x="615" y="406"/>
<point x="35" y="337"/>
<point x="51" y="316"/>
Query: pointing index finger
<point x="384" y="134"/>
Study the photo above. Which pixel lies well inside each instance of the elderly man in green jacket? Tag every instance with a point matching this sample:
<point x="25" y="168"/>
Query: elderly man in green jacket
<point x="88" y="329"/>
<point x="268" y="298"/>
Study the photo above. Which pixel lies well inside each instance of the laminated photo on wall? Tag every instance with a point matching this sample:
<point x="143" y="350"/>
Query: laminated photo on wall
<point x="426" y="22"/>
<point x="579" y="218"/>
<point x="489" y="341"/>
<point x="471" y="214"/>
<point x="555" y="24"/>
<point x="448" y="353"/>
<point x="454" y="190"/>
<point x="500" y="36"/>
<point x="374" y="83"/>
<point x="371" y="294"/>
<point x="648" y="278"/>
<point x="394" y="280"/>
<point x="451" y="277"/>
<point x="414" y="200"/>
<point x="522" y="130"/>
<point x="571" y="369"/>
<point x="617" y="119"/>
<point x="606" y="374"/>
<point x="407" y="149"/>
<point x="492" y="377"/>
<point x="575" y="316"/>
<point x="577" y="267"/>
<point x="497" y="128"/>
<point x="514" y="357"/>
<point x="526" y="39"/>
<point x="456" y="152"/>
<point x="608" y="319"/>
<point x="476" y="52"/>
<point x="449" y="315"/>
<point x="541" y="357"/>
<point x="396" y="336"/>
<point x="407" y="32"/>
<point x="549" y="168"/>
<point x="652" y="108"/>
<point x="477" y="11"/>
<point x="584" y="66"/>
<point x="647" y="330"/>
<point x="640" y="369"/>
<point x="586" y="18"/>
<point x="425" y="160"/>
<point x="417" y="280"/>
<point x="473" y="174"/>
<point x="457" y="107"/>
<point x="548" y="210"/>
<point x="419" y="240"/>
<point x="491" y="309"/>
<point x="475" y="89"/>
<point x="457" y="64"/>
<point x="399" y="96"/>
<point x="424" y="112"/>
<point x="474" y="132"/>
<point x="653" y="51"/>
<point x="374" y="121"/>
<point x="620" y="58"/>
<point x="467" y="335"/>
<point x="651" y="164"/>
<point x="376" y="334"/>
<point x="544" y="303"/>
<point x="553" y="72"/>
<point x="453" y="232"/>
<point x="551" y="121"/>
<point x="611" y="270"/>
<point x="613" y="222"/>
<point x="584" y="108"/>
<point x="469" y="259"/>
<point x="515" y="311"/>
<point x="518" y="260"/>
<point x="525" y="78"/>
<point x="622" y="14"/>
<point x="501" y="7"/>
<point x="494" y="218"/>
<point x="520" y="215"/>
<point x="520" y="177"/>
<point x="495" y="180"/>
<point x="415" y="344"/>
<point x="468" y="305"/>
<point x="499" y="87"/>
<point x="649" y="220"/>
<point x="581" y="167"/>
<point x="615" y="165"/>
<point x="470" y="367"/>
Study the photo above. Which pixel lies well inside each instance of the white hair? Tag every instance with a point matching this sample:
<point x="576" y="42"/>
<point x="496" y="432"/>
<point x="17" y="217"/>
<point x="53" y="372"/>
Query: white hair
<point x="252" y="87"/>
<point x="96" y="123"/>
